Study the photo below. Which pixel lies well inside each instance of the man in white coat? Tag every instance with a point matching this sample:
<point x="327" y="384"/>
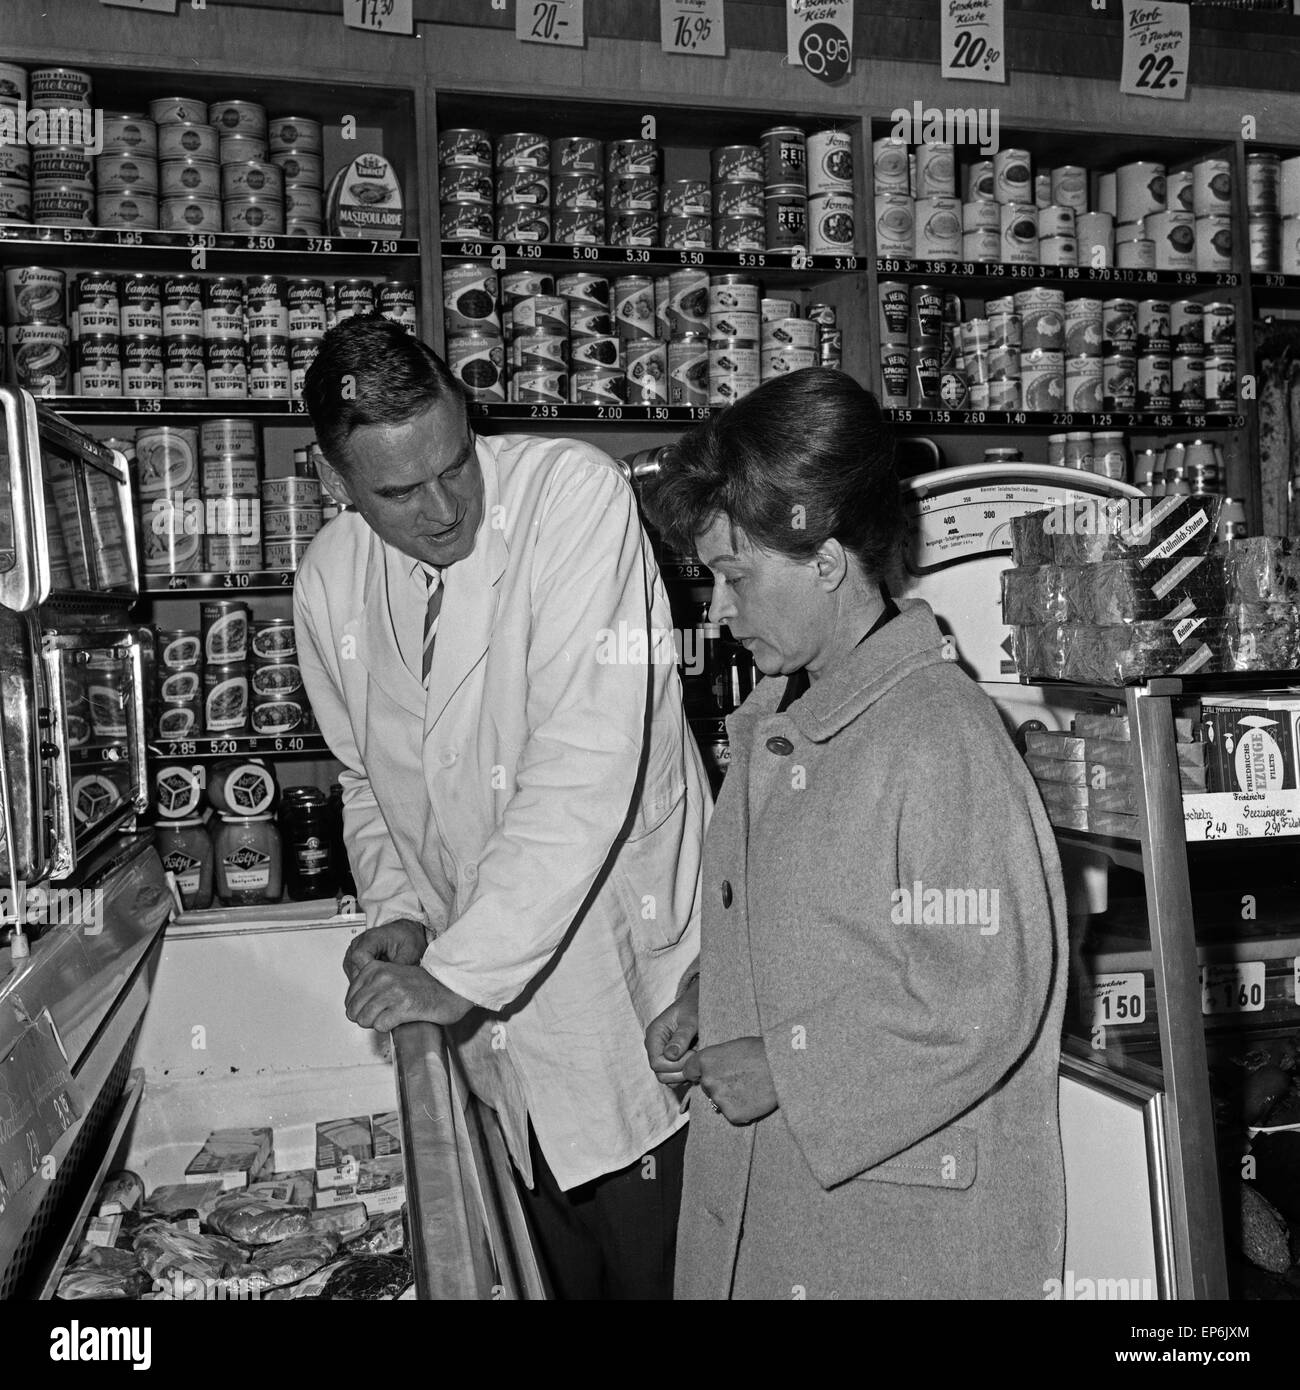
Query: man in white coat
<point x="523" y="803"/>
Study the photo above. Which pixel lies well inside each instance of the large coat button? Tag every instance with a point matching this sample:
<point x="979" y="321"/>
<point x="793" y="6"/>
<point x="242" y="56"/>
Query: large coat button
<point x="782" y="747"/>
<point x="726" y="893"/>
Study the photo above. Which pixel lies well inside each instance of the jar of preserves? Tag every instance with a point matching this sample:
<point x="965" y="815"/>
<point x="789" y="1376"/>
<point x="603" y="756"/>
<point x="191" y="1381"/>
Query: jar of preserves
<point x="248" y="860"/>
<point x="185" y="847"/>
<point x="309" y="865"/>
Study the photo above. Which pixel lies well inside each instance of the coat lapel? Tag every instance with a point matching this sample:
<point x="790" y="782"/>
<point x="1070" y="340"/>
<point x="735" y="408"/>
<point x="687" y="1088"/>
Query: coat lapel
<point x="376" y="643"/>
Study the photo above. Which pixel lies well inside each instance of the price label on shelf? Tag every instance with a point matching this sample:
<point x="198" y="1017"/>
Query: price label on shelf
<point x="157" y="6"/>
<point x="1232" y="989"/>
<point x="693" y="27"/>
<point x="1157" y="42"/>
<point x="379" y="16"/>
<point x="819" y="37"/>
<point x="551" y="21"/>
<point x="1118" y="999"/>
<point x="971" y="46"/>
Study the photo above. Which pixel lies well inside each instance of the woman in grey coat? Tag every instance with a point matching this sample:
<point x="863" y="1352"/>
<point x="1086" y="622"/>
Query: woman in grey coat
<point x="875" y="1026"/>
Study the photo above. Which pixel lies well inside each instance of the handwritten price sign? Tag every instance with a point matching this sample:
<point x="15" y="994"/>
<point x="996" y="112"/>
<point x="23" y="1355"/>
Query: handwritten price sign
<point x="693" y="27"/>
<point x="158" y="6"/>
<point x="971" y="43"/>
<point x="379" y="16"/>
<point x="561" y="22"/>
<point x="1157" y="42"/>
<point x="819" y="37"/>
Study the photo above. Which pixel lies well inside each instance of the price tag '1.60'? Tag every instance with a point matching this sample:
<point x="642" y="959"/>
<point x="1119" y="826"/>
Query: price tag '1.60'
<point x="693" y="27"/>
<point x="551" y="21"/>
<point x="1232" y="989"/>
<point x="1157" y="41"/>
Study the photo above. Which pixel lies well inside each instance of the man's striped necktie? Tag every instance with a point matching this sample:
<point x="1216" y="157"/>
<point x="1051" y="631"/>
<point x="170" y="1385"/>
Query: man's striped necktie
<point x="430" y="620"/>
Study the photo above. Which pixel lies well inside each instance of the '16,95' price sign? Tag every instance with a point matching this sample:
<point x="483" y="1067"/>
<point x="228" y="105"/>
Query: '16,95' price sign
<point x="1157" y="41"/>
<point x="693" y="27"/>
<point x="819" y="37"/>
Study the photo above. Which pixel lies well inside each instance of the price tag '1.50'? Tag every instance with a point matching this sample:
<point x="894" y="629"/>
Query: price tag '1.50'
<point x="1118" y="999"/>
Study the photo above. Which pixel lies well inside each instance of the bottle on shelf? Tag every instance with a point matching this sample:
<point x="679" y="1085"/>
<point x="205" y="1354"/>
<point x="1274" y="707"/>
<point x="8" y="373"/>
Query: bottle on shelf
<point x="305" y="832"/>
<point x="347" y="884"/>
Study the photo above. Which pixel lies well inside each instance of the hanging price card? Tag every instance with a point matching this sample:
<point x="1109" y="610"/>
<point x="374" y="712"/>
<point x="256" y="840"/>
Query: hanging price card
<point x="1157" y="41"/>
<point x="158" y="6"/>
<point x="379" y="16"/>
<point x="1118" y="999"/>
<point x="551" y="21"/>
<point x="693" y="27"/>
<point x="971" y="46"/>
<point x="819" y="37"/>
<point x="1232" y="989"/>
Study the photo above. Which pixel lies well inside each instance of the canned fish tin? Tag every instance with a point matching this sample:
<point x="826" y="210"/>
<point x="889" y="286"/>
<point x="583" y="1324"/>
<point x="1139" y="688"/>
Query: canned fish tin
<point x="1013" y="176"/>
<point x="1263" y="175"/>
<point x="469" y="220"/>
<point x="523" y="224"/>
<point x="62" y="205"/>
<point x="830" y="162"/>
<point x="688" y="370"/>
<point x="1155" y="382"/>
<point x="268" y="367"/>
<point x="1214" y="242"/>
<point x="237" y="148"/>
<point x="632" y="193"/>
<point x="464" y="145"/>
<point x="353" y="296"/>
<point x="184" y="372"/>
<point x="230" y="477"/>
<point x="188" y="140"/>
<point x="245" y="116"/>
<point x="200" y="177"/>
<point x="1083" y="384"/>
<point x="596" y="352"/>
<point x="578" y="226"/>
<point x="59" y="86"/>
<point x="635" y="157"/>
<point x="598" y="386"/>
<point x="578" y="191"/>
<point x="1119" y="381"/>
<point x="99" y="365"/>
<point x="142" y="365"/>
<point x="253" y="178"/>
<point x="1219" y="327"/>
<point x="736" y="163"/>
<point x="577" y="154"/>
<point x="831" y="226"/>
<point x="739" y="234"/>
<point x="735" y="323"/>
<point x="632" y="228"/>
<point x="540" y="388"/>
<point x="686" y="198"/>
<point x="523" y="150"/>
<point x="130" y="132"/>
<point x="1188" y="389"/>
<point x="541" y="313"/>
<point x="646" y="365"/>
<point x="35" y="294"/>
<point x="737" y="199"/>
<point x="224" y="314"/>
<point x="165" y="545"/>
<point x="297" y="133"/>
<point x="1220" y="382"/>
<point x="802" y="333"/>
<point x="227" y="368"/>
<point x="686" y="233"/>
<point x="1119" y="325"/>
<point x="127" y="209"/>
<point x="785" y="219"/>
<point x="262" y="216"/>
<point x="299" y="167"/>
<point x="290" y="523"/>
<point x="189" y="214"/>
<point x="477" y="360"/>
<point x="126" y="173"/>
<point x="1187" y="327"/>
<point x="523" y="188"/>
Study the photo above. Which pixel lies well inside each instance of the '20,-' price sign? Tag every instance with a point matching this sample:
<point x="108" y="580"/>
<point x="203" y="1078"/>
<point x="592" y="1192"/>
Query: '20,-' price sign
<point x="819" y="38"/>
<point x="972" y="46"/>
<point x="1157" y="42"/>
<point x="551" y="21"/>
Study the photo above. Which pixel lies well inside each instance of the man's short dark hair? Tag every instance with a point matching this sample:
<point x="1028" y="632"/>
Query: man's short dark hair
<point x="371" y="371"/>
<point x="804" y="458"/>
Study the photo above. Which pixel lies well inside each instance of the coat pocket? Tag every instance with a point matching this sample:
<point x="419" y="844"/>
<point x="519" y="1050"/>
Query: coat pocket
<point x="949" y="1158"/>
<point x="656" y="873"/>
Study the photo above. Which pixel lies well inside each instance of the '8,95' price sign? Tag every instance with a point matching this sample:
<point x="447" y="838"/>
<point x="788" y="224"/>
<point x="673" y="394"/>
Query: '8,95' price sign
<point x="819" y="37"/>
<point x="1157" y="41"/>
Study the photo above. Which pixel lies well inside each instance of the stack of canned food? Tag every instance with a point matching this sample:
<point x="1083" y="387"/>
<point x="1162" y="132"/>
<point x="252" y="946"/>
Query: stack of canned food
<point x="1273" y="209"/>
<point x="180" y="336"/>
<point x="1037" y="350"/>
<point x="1143" y="215"/>
<point x="687" y="338"/>
<point x="231" y="675"/>
<point x="789" y="190"/>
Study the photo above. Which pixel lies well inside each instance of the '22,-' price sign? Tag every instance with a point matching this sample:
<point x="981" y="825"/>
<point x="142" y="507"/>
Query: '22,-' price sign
<point x="819" y="37"/>
<point x="551" y="21"/>
<point x="971" y="40"/>
<point x="1157" y="42"/>
<point x="379" y="16"/>
<point x="693" y="27"/>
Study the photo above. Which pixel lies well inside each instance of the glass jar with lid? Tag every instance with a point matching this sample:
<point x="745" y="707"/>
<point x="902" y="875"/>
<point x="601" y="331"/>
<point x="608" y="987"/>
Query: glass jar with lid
<point x="185" y="847"/>
<point x="310" y="870"/>
<point x="248" y="860"/>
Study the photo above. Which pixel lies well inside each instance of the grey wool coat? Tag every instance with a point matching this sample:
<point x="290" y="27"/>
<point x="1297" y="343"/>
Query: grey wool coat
<point x="914" y="1045"/>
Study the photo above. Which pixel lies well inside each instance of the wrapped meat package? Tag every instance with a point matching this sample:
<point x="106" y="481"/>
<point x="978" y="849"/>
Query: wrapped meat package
<point x="1259" y="569"/>
<point x="100" y="1272"/>
<point x="1121" y="591"/>
<point x="258" y="1220"/>
<point x="165" y="1252"/>
<point x="1128" y="529"/>
<point x="1262" y="637"/>
<point x="199" y="1197"/>
<point x="1048" y="648"/>
<point x="368" y="1277"/>
<point x="384" y="1235"/>
<point x="1032" y="596"/>
<point x="291" y="1260"/>
<point x="1121" y="652"/>
<point x="1031" y="543"/>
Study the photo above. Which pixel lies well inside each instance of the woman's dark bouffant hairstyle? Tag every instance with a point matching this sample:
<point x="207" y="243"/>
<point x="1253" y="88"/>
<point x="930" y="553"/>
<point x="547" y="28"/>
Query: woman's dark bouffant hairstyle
<point x="371" y="371"/>
<point x="804" y="458"/>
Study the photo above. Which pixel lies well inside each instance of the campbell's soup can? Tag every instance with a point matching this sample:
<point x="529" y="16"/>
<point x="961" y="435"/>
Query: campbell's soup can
<point x="224" y="312"/>
<point x="646" y="365"/>
<point x="305" y="301"/>
<point x="353" y="296"/>
<point x="1188" y="391"/>
<point x="578" y="226"/>
<point x="182" y="306"/>
<point x="477" y="360"/>
<point x="184" y="367"/>
<point x="142" y="365"/>
<point x="226" y="362"/>
<point x="464" y="145"/>
<point x="96" y="304"/>
<point x="130" y="132"/>
<point x="623" y="157"/>
<point x="268" y="367"/>
<point x="99" y="365"/>
<point x="302" y="353"/>
<point x="166" y="545"/>
<point x="267" y="300"/>
<point x="141" y="300"/>
<point x="688" y="370"/>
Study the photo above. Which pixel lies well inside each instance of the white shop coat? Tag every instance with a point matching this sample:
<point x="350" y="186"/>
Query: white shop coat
<point x="535" y="773"/>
